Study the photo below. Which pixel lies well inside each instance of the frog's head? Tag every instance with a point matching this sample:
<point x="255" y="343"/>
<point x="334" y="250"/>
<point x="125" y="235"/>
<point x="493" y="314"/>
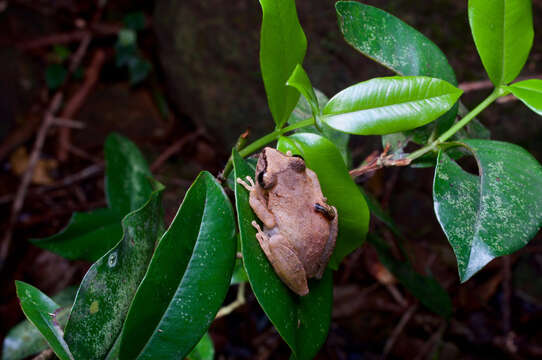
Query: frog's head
<point x="272" y="162"/>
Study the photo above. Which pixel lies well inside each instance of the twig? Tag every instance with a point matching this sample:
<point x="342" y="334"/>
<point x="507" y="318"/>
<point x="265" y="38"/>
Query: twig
<point x="430" y="344"/>
<point x="84" y="174"/>
<point x="77" y="100"/>
<point x="27" y="176"/>
<point x="487" y="84"/>
<point x="228" y="309"/>
<point x="398" y="330"/>
<point x="373" y="163"/>
<point x="68" y="123"/>
<point x="96" y="30"/>
<point x="173" y="149"/>
<point x="44" y="355"/>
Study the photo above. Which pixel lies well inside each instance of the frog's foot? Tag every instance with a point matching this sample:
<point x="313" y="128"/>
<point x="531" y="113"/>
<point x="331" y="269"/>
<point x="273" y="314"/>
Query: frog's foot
<point x="250" y="187"/>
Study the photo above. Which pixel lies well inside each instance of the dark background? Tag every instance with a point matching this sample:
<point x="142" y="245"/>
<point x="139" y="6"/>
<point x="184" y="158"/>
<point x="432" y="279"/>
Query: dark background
<point x="203" y="91"/>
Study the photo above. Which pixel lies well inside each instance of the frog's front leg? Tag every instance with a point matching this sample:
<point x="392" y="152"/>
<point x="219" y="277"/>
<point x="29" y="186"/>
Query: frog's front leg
<point x="258" y="203"/>
<point x="284" y="260"/>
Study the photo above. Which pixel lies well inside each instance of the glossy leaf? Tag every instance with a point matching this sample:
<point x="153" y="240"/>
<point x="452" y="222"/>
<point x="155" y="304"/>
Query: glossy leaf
<point x="303" y="111"/>
<point x="324" y="159"/>
<point x="301" y="82"/>
<point x="391" y="42"/>
<point x="387" y="105"/>
<point x="127" y="183"/>
<point x="187" y="279"/>
<point x="109" y="285"/>
<point x="493" y="214"/>
<point x="503" y="34"/>
<point x="530" y="93"/>
<point x="24" y="339"/>
<point x="39" y="310"/>
<point x="396" y="45"/>
<point x="204" y="350"/>
<point x="302" y="322"/>
<point x="88" y="236"/>
<point x="282" y="47"/>
<point x="425" y="288"/>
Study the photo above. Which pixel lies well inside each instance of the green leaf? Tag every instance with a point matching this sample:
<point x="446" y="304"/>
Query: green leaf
<point x="387" y="105"/>
<point x="127" y="183"/>
<point x="424" y="288"/>
<point x="88" y="236"/>
<point x="134" y="21"/>
<point x="493" y="214"/>
<point x="139" y="68"/>
<point x="396" y="45"/>
<point x="282" y="46"/>
<point x="61" y="52"/>
<point x="324" y="159"/>
<point x="503" y="34"/>
<point x="239" y="274"/>
<point x="303" y="111"/>
<point x="204" y="350"/>
<point x="24" y="339"/>
<point x="300" y="81"/>
<point x="302" y="322"/>
<point x="55" y="74"/>
<point x="391" y="42"/>
<point x="109" y="285"/>
<point x="187" y="280"/>
<point x="40" y="311"/>
<point x="530" y="93"/>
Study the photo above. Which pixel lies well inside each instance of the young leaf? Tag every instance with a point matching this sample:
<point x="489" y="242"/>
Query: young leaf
<point x="87" y="236"/>
<point x="24" y="339"/>
<point x="324" y="159"/>
<point x="282" y="47"/>
<point x="387" y="105"/>
<point x="503" y="34"/>
<point x="302" y="322"/>
<point x="187" y="280"/>
<point x="40" y="311"/>
<point x="300" y="81"/>
<point x="304" y="111"/>
<point x="530" y="92"/>
<point x="127" y="183"/>
<point x="108" y="287"/>
<point x="424" y="288"/>
<point x="493" y="214"/>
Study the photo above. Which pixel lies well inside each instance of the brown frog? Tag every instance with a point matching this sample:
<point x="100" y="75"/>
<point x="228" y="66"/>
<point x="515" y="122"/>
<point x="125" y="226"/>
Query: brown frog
<point x="300" y="228"/>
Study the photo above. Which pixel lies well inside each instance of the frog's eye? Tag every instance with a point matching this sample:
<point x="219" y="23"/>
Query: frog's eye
<point x="265" y="185"/>
<point x="260" y="179"/>
<point x="298" y="164"/>
<point x="298" y="156"/>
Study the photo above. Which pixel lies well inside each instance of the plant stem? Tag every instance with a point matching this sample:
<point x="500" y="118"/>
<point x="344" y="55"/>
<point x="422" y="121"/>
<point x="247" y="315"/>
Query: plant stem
<point x="264" y="140"/>
<point x="459" y="125"/>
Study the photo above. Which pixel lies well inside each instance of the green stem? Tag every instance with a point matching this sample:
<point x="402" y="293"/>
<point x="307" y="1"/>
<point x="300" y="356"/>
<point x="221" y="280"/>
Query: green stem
<point x="264" y="140"/>
<point x="459" y="125"/>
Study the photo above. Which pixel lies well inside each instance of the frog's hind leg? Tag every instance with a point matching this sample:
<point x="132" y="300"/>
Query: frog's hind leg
<point x="284" y="260"/>
<point x="330" y="244"/>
